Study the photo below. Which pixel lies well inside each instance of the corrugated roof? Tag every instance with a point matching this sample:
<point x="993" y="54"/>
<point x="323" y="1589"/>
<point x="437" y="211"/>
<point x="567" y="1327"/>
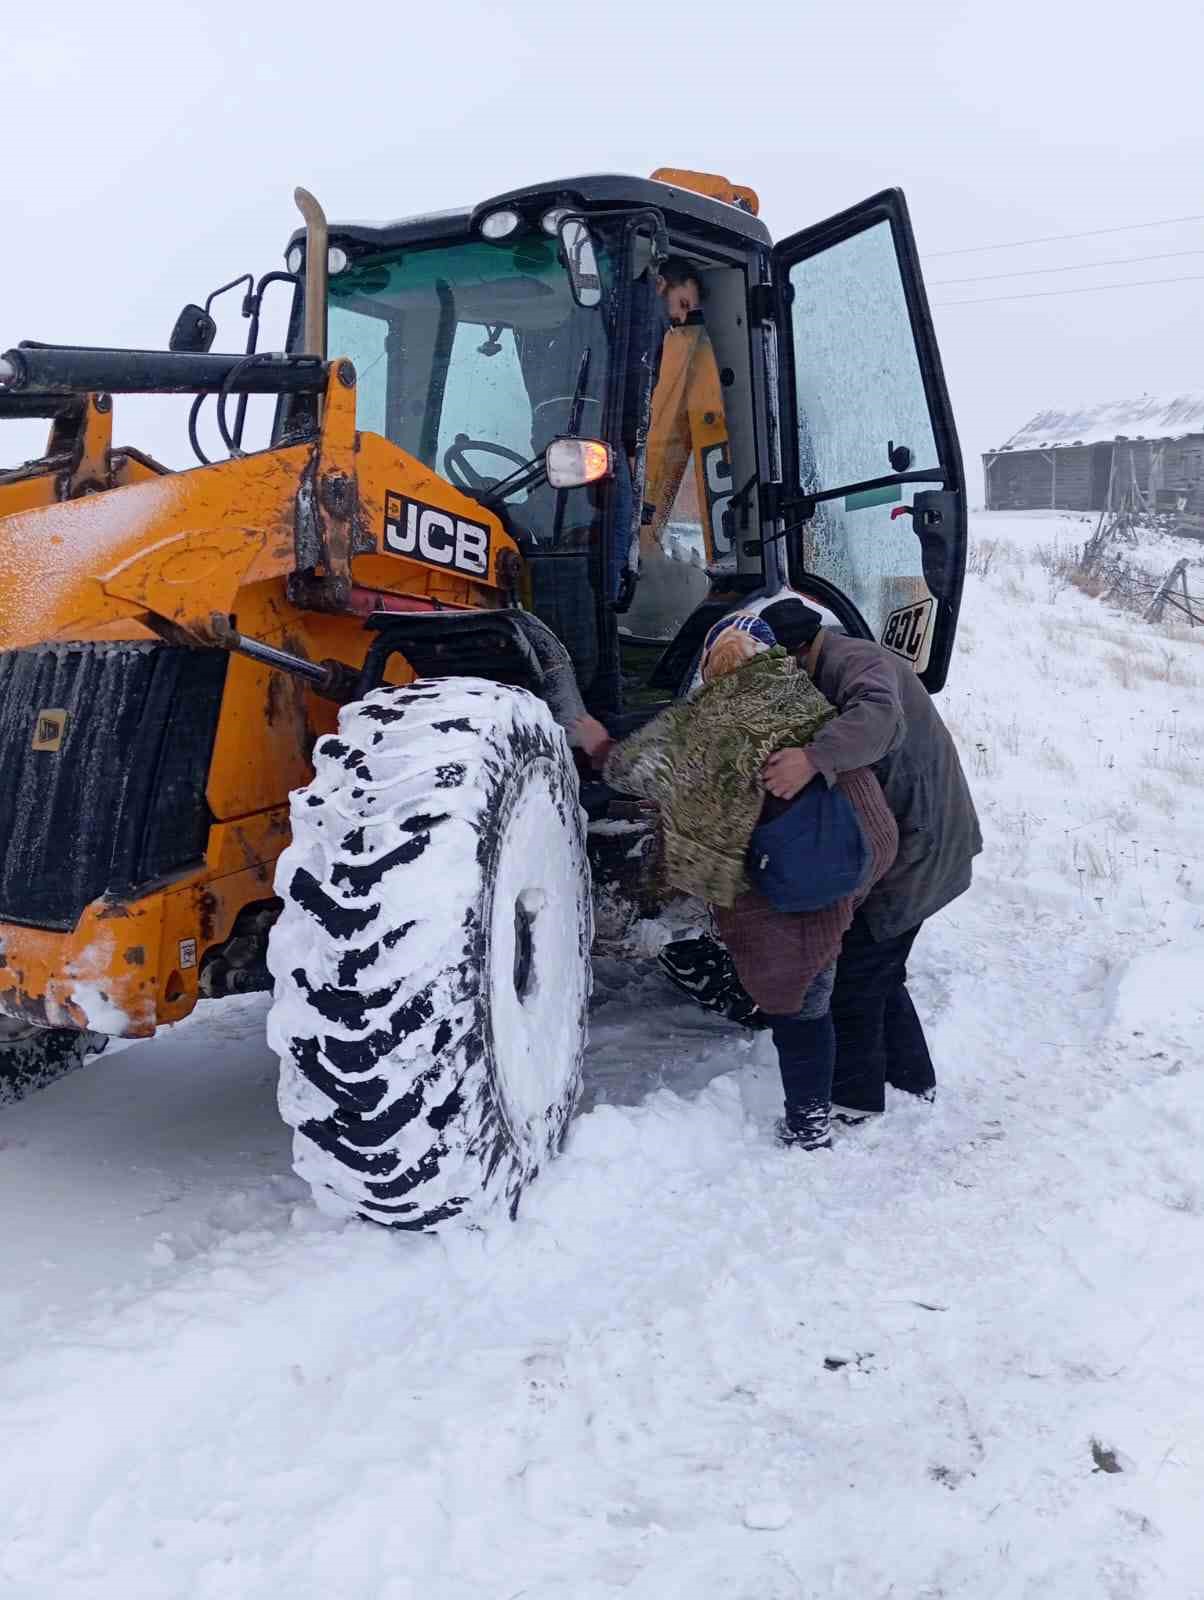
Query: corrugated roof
<point x="1150" y="417"/>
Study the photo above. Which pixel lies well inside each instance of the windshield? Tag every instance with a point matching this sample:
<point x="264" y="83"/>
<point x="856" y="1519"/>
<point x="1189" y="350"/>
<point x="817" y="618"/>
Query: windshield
<point x="471" y="357"/>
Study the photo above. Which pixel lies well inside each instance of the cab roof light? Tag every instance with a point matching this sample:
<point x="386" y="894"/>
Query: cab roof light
<point x="500" y="224"/>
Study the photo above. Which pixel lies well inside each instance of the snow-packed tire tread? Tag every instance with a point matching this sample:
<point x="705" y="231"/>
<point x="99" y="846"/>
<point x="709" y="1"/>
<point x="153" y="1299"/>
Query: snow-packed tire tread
<point x="41" y="1057"/>
<point x="380" y="1016"/>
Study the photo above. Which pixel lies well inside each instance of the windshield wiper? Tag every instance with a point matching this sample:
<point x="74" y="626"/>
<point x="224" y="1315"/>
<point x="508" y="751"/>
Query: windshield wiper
<point x="578" y="403"/>
<point x="532" y="473"/>
<point x="574" y="432"/>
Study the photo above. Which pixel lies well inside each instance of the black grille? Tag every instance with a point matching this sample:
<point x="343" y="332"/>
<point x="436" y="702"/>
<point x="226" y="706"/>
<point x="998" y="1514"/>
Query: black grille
<point x="112" y="797"/>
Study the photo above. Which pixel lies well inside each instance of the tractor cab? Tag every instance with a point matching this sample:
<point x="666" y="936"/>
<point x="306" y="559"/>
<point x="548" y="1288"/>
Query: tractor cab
<point x="793" y="430"/>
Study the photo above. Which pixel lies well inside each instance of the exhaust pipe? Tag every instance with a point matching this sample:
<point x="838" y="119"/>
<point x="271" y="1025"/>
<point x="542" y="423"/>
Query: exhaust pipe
<point x="316" y="272"/>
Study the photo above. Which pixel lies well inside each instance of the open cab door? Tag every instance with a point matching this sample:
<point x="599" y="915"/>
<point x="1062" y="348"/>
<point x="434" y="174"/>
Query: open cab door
<point x="873" y="495"/>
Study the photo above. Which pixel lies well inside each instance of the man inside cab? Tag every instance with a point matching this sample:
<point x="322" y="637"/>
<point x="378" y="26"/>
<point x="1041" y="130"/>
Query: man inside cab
<point x="676" y="297"/>
<point x="679" y="286"/>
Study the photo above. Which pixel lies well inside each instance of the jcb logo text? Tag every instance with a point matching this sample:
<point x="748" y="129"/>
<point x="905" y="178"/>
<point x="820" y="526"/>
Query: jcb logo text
<point x="425" y="532"/>
<point x="906" y="629"/>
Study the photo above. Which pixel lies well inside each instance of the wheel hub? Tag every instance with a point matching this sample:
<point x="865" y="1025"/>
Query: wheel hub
<point x="538" y="988"/>
<point x="524" y="949"/>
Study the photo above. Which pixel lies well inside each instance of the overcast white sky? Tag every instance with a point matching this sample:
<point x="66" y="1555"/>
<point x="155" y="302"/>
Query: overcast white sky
<point x="150" y="153"/>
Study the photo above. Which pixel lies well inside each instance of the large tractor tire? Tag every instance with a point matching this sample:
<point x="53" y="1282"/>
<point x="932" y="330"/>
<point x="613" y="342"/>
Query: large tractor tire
<point x="31" y="1058"/>
<point x="432" y="959"/>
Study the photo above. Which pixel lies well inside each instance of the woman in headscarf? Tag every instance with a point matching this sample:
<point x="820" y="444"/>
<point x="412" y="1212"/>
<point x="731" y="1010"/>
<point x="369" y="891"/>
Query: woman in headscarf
<point x="702" y="762"/>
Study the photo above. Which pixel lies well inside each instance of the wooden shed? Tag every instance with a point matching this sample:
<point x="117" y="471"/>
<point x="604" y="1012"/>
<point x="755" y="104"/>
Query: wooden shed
<point x="1149" y="451"/>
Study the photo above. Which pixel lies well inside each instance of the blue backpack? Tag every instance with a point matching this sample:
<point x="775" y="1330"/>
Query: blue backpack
<point x="812" y="855"/>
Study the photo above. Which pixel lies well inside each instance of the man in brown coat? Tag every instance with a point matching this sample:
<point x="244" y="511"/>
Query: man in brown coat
<point x="886" y="721"/>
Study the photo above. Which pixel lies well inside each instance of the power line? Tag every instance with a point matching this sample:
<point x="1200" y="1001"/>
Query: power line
<point x="1051" y="238"/>
<point x="1081" y="266"/>
<point x="1087" y="288"/>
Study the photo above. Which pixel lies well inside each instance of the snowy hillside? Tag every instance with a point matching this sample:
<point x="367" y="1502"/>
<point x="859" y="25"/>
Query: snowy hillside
<point x="957" y="1357"/>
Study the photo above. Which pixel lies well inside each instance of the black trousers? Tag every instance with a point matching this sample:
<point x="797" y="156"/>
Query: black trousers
<point x="806" y="1045"/>
<point x="806" y="1050"/>
<point x="879" y="1038"/>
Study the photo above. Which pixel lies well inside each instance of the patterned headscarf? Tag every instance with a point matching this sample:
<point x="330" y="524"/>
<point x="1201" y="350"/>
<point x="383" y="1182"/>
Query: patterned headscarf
<point x="734" y="640"/>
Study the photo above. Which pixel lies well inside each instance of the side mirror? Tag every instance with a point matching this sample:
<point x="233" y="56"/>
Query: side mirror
<point x="582" y="259"/>
<point x="572" y="463"/>
<point x="195" y="331"/>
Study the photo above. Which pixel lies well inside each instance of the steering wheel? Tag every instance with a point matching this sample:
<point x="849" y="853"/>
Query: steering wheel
<point x="464" y="476"/>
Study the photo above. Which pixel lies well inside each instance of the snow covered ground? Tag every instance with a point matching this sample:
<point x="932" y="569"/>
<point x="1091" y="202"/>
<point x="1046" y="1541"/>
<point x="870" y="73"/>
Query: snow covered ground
<point x="958" y="1357"/>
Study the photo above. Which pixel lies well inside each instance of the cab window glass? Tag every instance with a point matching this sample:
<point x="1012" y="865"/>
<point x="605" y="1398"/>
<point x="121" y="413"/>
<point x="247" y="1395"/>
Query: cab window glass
<point x="863" y="415"/>
<point x="485" y="396"/>
<point x="872" y="557"/>
<point x="475" y="339"/>
<point x="860" y="391"/>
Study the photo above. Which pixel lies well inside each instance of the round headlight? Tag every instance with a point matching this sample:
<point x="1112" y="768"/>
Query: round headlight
<point x="500" y="224"/>
<point x="336" y="259"/>
<point x="551" y="220"/>
<point x="295" y="259"/>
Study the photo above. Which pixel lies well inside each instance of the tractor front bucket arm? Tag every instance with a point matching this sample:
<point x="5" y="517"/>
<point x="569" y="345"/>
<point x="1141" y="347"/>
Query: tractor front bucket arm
<point x="176" y="548"/>
<point x="329" y="528"/>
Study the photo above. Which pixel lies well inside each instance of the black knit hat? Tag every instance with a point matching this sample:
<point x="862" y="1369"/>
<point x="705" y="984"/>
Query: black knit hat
<point x="794" y="623"/>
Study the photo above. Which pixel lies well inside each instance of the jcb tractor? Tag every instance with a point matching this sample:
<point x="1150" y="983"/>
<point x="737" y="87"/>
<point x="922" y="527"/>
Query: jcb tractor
<point x="493" y="458"/>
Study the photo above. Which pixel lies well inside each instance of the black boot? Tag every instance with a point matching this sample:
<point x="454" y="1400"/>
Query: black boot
<point x="805" y="1128"/>
<point x="703" y="969"/>
<point x="806" y="1051"/>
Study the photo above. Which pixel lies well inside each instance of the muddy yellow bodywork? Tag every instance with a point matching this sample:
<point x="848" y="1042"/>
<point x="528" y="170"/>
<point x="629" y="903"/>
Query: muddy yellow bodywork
<point x="106" y="546"/>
